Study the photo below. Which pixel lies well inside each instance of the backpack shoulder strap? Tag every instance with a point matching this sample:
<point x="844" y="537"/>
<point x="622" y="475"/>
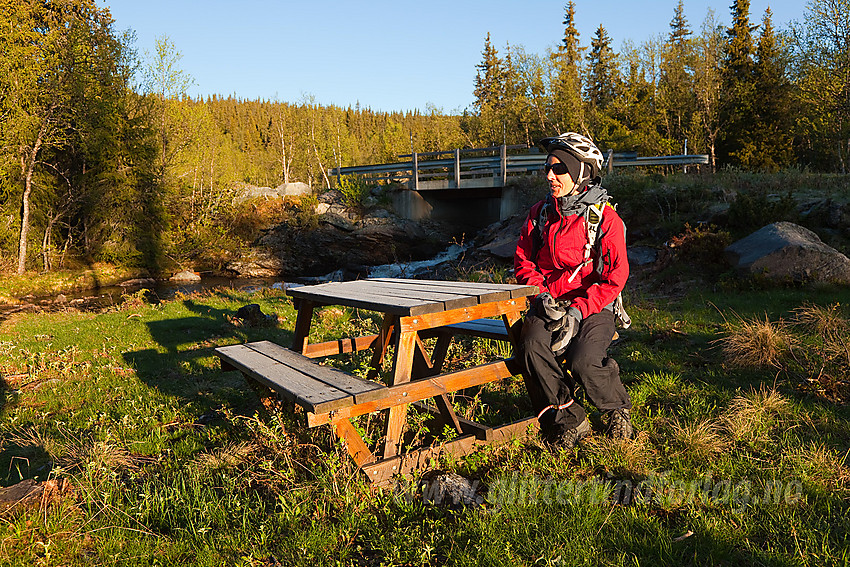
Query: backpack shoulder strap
<point x="594" y="219"/>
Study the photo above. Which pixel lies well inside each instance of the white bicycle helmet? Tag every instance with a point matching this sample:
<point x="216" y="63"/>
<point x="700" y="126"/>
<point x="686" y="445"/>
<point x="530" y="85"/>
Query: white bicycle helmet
<point x="579" y="146"/>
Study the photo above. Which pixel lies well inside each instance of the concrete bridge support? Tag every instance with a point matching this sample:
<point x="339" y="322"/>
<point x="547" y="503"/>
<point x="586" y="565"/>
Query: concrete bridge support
<point x="468" y="209"/>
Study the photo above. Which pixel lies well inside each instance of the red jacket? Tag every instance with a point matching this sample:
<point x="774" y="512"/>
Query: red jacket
<point x="562" y="252"/>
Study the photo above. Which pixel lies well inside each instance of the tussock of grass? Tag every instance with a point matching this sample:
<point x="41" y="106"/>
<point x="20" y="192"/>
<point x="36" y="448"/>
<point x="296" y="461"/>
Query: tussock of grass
<point x="750" y="416"/>
<point x="98" y="456"/>
<point x="624" y="457"/>
<point x="663" y="389"/>
<point x="757" y="344"/>
<point x="823" y="466"/>
<point x="227" y="457"/>
<point x="699" y="440"/>
<point x="830" y="324"/>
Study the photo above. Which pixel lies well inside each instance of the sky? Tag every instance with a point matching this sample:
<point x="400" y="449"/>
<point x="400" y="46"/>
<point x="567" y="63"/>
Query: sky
<point x="382" y="55"/>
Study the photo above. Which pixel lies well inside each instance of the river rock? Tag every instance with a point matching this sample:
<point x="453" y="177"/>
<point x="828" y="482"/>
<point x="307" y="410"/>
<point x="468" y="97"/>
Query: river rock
<point x="354" y="247"/>
<point x="500" y="238"/>
<point x="186" y="276"/>
<point x="786" y="251"/>
<point x="138" y="282"/>
<point x="258" y="264"/>
<point x="642" y="255"/>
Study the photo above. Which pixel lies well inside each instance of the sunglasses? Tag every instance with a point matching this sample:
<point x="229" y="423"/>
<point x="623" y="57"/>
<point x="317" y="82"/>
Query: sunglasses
<point x="558" y="167"/>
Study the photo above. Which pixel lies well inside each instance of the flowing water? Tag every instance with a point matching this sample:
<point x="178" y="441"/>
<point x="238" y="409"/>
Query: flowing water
<point x="108" y="296"/>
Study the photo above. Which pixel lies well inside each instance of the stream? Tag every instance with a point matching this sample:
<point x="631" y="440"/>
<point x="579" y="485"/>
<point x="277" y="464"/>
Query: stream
<point x="162" y="290"/>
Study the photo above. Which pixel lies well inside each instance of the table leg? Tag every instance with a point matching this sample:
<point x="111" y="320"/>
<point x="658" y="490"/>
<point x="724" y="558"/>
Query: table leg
<point x="353" y="442"/>
<point x="402" y="368"/>
<point x="302" y="326"/>
<point x="441" y="349"/>
<point x="513" y="323"/>
<point x="388" y="326"/>
<point x="447" y="412"/>
<point x="422" y="364"/>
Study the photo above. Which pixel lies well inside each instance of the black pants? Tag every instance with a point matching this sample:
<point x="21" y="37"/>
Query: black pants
<point x="587" y="360"/>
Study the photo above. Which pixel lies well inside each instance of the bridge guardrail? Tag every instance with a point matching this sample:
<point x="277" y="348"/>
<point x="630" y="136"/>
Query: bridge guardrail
<point x="490" y="170"/>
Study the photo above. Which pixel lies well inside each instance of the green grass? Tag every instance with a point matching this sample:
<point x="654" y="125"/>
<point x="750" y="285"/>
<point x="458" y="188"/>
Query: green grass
<point x="173" y="462"/>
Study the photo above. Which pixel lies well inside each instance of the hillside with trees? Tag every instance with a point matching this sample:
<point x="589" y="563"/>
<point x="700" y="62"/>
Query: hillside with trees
<point x="104" y="158"/>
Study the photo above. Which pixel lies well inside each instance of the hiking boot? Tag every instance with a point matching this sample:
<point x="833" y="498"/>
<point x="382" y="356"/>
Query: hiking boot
<point x="560" y="437"/>
<point x="620" y="424"/>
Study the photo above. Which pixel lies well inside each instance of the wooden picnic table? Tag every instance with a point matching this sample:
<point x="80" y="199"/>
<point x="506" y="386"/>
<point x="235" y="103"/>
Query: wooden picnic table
<point x="412" y="309"/>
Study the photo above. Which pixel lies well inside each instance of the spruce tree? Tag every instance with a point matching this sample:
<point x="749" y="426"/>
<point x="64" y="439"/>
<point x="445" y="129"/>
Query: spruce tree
<point x="603" y="76"/>
<point x="738" y="91"/>
<point x="676" y="99"/>
<point x="567" y="109"/>
<point x="489" y="93"/>
<point x="770" y="146"/>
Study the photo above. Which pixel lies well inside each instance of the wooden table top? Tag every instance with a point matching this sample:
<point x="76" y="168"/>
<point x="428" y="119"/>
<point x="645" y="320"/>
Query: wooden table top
<point x="405" y="297"/>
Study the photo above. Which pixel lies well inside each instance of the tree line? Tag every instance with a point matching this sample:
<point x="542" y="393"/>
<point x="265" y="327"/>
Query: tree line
<point x="748" y="95"/>
<point x="104" y="157"/>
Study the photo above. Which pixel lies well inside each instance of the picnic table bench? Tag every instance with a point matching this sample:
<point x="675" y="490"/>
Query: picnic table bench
<point x="413" y="310"/>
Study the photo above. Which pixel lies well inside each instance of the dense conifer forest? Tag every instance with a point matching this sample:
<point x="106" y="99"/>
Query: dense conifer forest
<point x="104" y="158"/>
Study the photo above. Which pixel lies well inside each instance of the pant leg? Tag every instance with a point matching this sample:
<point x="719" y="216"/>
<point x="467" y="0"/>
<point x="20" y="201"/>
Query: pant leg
<point x="588" y="361"/>
<point x="545" y="377"/>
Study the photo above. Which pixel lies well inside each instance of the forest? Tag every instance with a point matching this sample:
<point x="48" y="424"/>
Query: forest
<point x="105" y="159"/>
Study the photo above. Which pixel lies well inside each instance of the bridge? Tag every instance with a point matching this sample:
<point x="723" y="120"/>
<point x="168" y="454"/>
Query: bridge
<point x="470" y="187"/>
<point x="488" y="167"/>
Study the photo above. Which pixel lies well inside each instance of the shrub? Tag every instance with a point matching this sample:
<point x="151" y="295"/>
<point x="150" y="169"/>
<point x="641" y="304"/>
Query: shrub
<point x="354" y="191"/>
<point x="752" y="210"/>
<point x="251" y="217"/>
<point x="704" y="244"/>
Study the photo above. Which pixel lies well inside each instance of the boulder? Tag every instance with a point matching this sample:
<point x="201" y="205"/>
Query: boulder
<point x="500" y="238"/>
<point x="186" y="276"/>
<point x="786" y="251"/>
<point x="252" y="316"/>
<point x="258" y="264"/>
<point x="138" y="282"/>
<point x="352" y="246"/>
<point x="293" y="189"/>
<point x="245" y="192"/>
<point x="641" y="255"/>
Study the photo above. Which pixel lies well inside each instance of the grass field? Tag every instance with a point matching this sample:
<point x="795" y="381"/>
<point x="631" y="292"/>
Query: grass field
<point x="149" y="455"/>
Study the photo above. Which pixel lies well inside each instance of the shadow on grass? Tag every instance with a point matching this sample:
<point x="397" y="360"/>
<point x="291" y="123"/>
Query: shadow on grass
<point x="185" y="365"/>
<point x="4" y="392"/>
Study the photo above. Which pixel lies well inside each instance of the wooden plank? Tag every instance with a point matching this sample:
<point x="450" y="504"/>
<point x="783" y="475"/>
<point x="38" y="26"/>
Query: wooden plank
<point x="381" y="472"/>
<point x="402" y="372"/>
<point x="450" y="298"/>
<point x="480" y="293"/>
<point x="513" y="323"/>
<point x="339" y="346"/>
<point x="313" y="395"/>
<point x="426" y="388"/>
<point x="487" y="328"/>
<point x="432" y="320"/>
<point x="362" y="390"/>
<point x="385" y="304"/>
<point x="477" y="288"/>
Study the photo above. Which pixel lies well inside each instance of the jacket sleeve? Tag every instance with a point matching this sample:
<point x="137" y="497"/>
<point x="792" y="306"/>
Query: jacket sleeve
<point x="525" y="268"/>
<point x="612" y="264"/>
